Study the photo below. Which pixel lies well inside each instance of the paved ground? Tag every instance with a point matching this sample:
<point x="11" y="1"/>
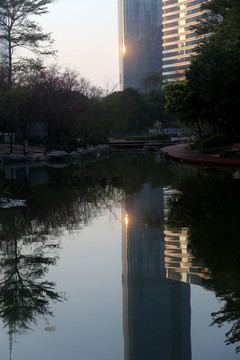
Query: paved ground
<point x="181" y="152"/>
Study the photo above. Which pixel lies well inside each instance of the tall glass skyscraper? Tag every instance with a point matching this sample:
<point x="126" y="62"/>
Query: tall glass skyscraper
<point x="156" y="35"/>
<point x="140" y="40"/>
<point x="178" y="38"/>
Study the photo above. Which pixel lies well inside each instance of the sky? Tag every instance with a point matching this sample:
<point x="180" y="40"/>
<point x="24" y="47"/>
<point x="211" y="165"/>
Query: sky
<point x="86" y="38"/>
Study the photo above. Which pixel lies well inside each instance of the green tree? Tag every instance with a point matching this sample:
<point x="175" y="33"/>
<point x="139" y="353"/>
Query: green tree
<point x="19" y="30"/>
<point x="94" y="127"/>
<point x="214" y="79"/>
<point x="210" y="95"/>
<point x="153" y="81"/>
<point x="183" y="103"/>
<point x="216" y="14"/>
<point x="211" y="92"/>
<point x="156" y="101"/>
<point x="127" y="111"/>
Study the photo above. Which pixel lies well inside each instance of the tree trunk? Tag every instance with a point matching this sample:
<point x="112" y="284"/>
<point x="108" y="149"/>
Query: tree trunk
<point x="49" y="144"/>
<point x="199" y="128"/>
<point x="9" y="60"/>
<point x="11" y="142"/>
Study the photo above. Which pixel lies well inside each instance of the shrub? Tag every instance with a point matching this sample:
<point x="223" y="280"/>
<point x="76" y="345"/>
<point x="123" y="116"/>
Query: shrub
<point x="213" y="144"/>
<point x="149" y="137"/>
<point x="230" y="154"/>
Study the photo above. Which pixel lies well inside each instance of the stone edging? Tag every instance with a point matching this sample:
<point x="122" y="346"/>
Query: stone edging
<point x="55" y="156"/>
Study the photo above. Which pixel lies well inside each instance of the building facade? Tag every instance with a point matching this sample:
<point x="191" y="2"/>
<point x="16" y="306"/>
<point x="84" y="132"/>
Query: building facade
<point x="179" y="39"/>
<point x="140" y="40"/>
<point x="156" y="36"/>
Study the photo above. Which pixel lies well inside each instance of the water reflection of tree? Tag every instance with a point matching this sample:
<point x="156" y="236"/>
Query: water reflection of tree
<point x="24" y="293"/>
<point x="209" y="205"/>
<point x="29" y="243"/>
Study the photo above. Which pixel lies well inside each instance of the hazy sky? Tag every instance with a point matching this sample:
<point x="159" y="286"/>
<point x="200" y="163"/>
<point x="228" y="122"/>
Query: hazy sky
<point x="86" y="37"/>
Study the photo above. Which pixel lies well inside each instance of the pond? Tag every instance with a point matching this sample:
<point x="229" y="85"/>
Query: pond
<point x="127" y="258"/>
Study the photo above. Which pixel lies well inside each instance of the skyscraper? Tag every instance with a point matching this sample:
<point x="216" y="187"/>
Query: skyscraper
<point x="140" y="40"/>
<point x="156" y="35"/>
<point x="179" y="39"/>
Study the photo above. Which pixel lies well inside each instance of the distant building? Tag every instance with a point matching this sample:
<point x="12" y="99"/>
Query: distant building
<point x="140" y="40"/>
<point x="179" y="39"/>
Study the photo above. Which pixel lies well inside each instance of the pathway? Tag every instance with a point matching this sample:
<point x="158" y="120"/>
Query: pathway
<point x="181" y="153"/>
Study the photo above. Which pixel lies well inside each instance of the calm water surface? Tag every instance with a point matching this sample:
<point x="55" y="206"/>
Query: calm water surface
<point x="129" y="258"/>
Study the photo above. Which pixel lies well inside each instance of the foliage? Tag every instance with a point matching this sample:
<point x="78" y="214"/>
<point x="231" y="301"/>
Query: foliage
<point x="19" y="30"/>
<point x="153" y="81"/>
<point x="156" y="101"/>
<point x="215" y="142"/>
<point x="210" y="95"/>
<point x="216" y="13"/>
<point x="213" y="78"/>
<point x="230" y="154"/>
<point x="149" y="137"/>
<point x="94" y="125"/>
<point x="12" y="109"/>
<point x="183" y="103"/>
<point x="69" y="107"/>
<point x="127" y="111"/>
<point x="3" y="189"/>
<point x="56" y="101"/>
<point x="208" y="204"/>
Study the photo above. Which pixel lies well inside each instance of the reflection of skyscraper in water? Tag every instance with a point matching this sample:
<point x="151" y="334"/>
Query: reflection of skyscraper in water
<point x="156" y="310"/>
<point x="180" y="263"/>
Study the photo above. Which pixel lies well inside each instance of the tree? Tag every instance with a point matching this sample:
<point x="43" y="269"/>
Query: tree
<point x="156" y="102"/>
<point x="211" y="91"/>
<point x="127" y="111"/>
<point x="153" y="81"/>
<point x="214" y="75"/>
<point x="12" y="101"/>
<point x="94" y="127"/>
<point x="19" y="30"/>
<point x="216" y="13"/>
<point x="184" y="104"/>
<point x="55" y="100"/>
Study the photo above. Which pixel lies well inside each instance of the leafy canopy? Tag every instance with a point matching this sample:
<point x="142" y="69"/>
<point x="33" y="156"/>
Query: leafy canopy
<point x="19" y="30"/>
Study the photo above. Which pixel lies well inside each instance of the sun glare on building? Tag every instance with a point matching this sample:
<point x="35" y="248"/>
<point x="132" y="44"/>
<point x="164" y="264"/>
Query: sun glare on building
<point x="126" y="219"/>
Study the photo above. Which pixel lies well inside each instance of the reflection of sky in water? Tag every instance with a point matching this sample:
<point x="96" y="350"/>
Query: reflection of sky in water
<point x="207" y="342"/>
<point x="89" y="325"/>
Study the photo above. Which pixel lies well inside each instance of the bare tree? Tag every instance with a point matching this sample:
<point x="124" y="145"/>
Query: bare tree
<point x="18" y="30"/>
